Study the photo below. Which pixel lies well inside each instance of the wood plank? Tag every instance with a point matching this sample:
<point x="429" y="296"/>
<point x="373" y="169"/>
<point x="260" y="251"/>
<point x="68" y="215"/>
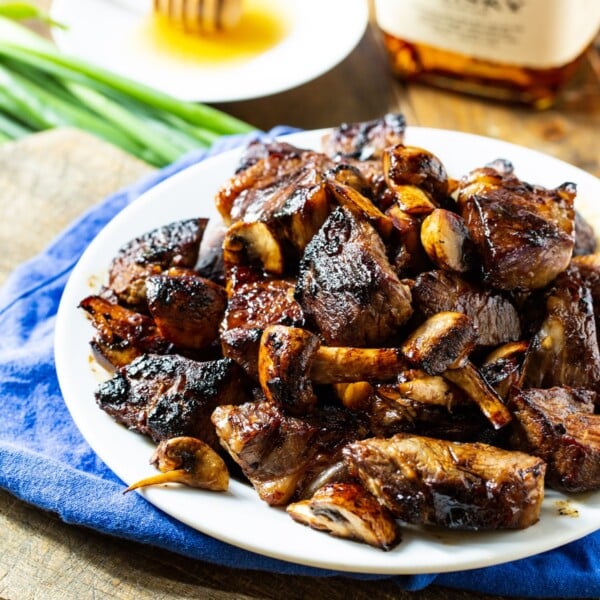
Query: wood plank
<point x="49" y="179"/>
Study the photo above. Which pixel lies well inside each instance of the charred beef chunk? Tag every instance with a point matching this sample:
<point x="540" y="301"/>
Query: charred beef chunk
<point x="171" y="396"/>
<point x="558" y="425"/>
<point x="348" y="511"/>
<point x="253" y="305"/>
<point x="495" y="318"/>
<point x="565" y="352"/>
<point x="122" y="334"/>
<point x="347" y="287"/>
<point x="390" y="414"/>
<point x="285" y="189"/>
<point x="361" y="146"/>
<point x="365" y="140"/>
<point x="524" y="234"/>
<point x="427" y="405"/>
<point x="276" y="452"/>
<point x="585" y="237"/>
<point x="588" y="268"/>
<point x="186" y="308"/>
<point x="423" y="480"/>
<point x="174" y="245"/>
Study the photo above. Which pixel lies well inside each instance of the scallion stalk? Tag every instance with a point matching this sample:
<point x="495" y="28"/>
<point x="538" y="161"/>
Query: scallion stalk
<point x="11" y="128"/>
<point x="43" y="88"/>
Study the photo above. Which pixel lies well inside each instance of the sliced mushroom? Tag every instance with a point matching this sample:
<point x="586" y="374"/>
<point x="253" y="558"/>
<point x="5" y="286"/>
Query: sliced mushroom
<point x="413" y="200"/>
<point x="446" y="240"/>
<point x="409" y="165"/>
<point x="291" y="359"/>
<point x="443" y="341"/>
<point x="501" y="368"/>
<point x="347" y="510"/>
<point x="188" y="461"/>
<point x="354" y="396"/>
<point x="423" y="388"/>
<point x="253" y="244"/>
<point x="468" y="379"/>
<point x="351" y="198"/>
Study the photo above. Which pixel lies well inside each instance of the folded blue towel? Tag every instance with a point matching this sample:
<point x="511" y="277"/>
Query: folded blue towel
<point x="45" y="461"/>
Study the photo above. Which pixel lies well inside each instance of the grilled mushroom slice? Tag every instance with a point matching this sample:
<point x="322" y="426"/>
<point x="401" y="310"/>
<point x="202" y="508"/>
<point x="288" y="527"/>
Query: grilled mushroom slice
<point x="469" y="379"/>
<point x="348" y="511"/>
<point x="253" y="244"/>
<point x="446" y="241"/>
<point x="415" y="167"/>
<point x="188" y="461"/>
<point x="291" y="359"/>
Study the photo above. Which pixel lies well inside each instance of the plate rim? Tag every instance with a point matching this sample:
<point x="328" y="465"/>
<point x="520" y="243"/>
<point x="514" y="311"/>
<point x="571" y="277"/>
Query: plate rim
<point x="157" y="496"/>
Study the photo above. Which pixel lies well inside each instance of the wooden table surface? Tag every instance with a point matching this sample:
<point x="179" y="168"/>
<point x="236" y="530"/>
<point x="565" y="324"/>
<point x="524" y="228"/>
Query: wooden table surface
<point x="48" y="179"/>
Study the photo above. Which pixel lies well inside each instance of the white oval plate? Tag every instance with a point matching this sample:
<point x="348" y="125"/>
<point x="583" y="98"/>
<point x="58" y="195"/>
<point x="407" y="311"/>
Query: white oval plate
<point x="238" y="516"/>
<point x="321" y="34"/>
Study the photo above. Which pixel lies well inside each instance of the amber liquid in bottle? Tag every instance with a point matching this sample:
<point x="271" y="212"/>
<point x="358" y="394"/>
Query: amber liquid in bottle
<point x="450" y="70"/>
<point x="502" y="77"/>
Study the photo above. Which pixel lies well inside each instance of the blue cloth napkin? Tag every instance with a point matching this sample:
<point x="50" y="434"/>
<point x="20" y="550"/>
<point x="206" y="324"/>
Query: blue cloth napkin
<point x="45" y="461"/>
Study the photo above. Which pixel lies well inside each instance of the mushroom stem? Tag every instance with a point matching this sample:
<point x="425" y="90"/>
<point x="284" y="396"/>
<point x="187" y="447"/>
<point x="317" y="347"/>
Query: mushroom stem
<point x="177" y="476"/>
<point x="189" y="461"/>
<point x="346" y="364"/>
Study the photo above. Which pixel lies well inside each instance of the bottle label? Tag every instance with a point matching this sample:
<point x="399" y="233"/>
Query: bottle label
<point x="530" y="33"/>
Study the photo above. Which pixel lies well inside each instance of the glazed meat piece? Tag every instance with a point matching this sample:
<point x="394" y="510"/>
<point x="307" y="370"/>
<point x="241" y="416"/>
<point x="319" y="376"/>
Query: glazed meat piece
<point x="390" y="413"/>
<point x="348" y="511"/>
<point x="186" y="308"/>
<point x="365" y="140"/>
<point x="495" y="318"/>
<point x="347" y="287"/>
<point x="171" y="396"/>
<point x="588" y="268"/>
<point x="426" y="481"/>
<point x="174" y="245"/>
<point x="282" y="186"/>
<point x="558" y="425"/>
<point x="254" y="304"/>
<point x="524" y="234"/>
<point x="277" y="452"/>
<point x="564" y="352"/>
<point x="361" y="146"/>
<point x="122" y="334"/>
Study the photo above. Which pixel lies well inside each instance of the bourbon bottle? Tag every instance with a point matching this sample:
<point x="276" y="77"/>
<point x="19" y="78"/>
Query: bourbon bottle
<point x="519" y="50"/>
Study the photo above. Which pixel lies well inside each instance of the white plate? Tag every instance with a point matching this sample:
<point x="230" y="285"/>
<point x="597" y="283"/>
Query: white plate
<point x="319" y="35"/>
<point x="239" y="517"/>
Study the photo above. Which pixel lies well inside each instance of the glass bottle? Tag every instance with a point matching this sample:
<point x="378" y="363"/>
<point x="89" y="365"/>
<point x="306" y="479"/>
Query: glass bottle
<point x="521" y="50"/>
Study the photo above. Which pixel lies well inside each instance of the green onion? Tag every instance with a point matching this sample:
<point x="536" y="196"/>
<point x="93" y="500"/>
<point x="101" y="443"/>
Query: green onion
<point x="26" y="10"/>
<point x="12" y="129"/>
<point x="43" y="88"/>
